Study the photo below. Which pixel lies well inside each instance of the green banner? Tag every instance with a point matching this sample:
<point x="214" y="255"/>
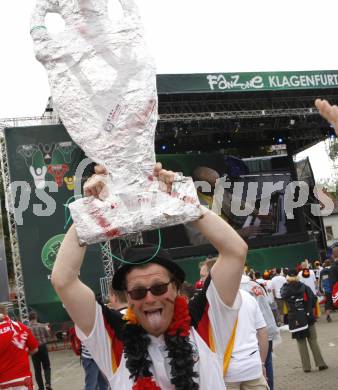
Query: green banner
<point x="241" y="82"/>
<point x="42" y="162"/>
<point x="282" y="256"/>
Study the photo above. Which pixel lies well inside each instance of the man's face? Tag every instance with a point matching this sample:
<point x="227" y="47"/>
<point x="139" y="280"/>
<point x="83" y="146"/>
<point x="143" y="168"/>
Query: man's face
<point x="113" y="301"/>
<point x="204" y="272"/>
<point x="154" y="313"/>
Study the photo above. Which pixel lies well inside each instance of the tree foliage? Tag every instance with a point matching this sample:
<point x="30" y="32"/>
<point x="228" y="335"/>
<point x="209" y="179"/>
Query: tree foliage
<point x="333" y="152"/>
<point x="330" y="185"/>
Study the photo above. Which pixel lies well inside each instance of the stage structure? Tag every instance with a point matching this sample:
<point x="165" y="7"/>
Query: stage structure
<point x="241" y="114"/>
<point x="245" y="115"/>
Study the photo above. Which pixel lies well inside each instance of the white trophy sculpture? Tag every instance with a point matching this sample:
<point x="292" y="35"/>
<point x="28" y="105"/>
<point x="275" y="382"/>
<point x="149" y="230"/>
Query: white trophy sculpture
<point x="103" y="84"/>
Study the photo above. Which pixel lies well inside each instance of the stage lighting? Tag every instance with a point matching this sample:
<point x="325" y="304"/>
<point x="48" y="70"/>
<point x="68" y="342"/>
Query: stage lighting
<point x="332" y="133"/>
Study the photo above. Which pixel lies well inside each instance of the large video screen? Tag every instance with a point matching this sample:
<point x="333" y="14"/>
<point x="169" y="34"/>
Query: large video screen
<point x="251" y="199"/>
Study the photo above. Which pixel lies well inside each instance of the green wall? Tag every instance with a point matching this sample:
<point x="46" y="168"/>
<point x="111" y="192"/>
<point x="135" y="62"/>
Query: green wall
<point x="261" y="259"/>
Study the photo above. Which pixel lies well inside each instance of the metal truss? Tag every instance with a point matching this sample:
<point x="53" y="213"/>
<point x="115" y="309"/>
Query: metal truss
<point x="234" y="102"/>
<point x="110" y="249"/>
<point x="19" y="282"/>
<point x="29" y="121"/>
<point x="242" y="114"/>
<point x="107" y="259"/>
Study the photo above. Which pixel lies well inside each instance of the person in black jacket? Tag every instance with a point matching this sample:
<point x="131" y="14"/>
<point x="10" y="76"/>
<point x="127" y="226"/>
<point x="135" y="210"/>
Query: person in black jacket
<point x="334" y="267"/>
<point x="325" y="287"/>
<point x="300" y="302"/>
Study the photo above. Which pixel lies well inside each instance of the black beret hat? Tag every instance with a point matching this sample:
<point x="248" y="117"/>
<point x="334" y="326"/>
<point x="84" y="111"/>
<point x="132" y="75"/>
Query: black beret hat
<point x="292" y="272"/>
<point x="138" y="256"/>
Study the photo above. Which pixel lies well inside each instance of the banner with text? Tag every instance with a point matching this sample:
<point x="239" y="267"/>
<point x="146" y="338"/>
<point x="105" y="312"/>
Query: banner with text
<point x="240" y="82"/>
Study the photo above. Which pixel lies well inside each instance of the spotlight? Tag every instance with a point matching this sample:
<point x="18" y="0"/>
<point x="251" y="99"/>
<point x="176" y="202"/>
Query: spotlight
<point x="332" y="133"/>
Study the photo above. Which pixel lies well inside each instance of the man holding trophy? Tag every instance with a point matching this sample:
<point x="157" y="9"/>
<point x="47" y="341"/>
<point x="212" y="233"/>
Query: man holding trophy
<point x="161" y="342"/>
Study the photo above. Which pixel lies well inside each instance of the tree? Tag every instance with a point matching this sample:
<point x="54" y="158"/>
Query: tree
<point x="330" y="185"/>
<point x="333" y="150"/>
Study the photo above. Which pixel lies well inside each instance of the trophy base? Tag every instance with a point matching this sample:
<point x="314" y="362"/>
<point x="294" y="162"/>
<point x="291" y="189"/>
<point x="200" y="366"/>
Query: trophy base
<point x="122" y="214"/>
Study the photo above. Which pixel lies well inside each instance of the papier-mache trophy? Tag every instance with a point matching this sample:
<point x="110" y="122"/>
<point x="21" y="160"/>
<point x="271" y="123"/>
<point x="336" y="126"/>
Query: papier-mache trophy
<point x="103" y="84"/>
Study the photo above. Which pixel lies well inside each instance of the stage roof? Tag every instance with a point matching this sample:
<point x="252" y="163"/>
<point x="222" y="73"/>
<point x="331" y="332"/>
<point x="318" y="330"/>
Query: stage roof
<point x="242" y="111"/>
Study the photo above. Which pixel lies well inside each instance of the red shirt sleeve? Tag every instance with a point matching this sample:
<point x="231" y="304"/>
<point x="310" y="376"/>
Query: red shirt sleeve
<point x="32" y="342"/>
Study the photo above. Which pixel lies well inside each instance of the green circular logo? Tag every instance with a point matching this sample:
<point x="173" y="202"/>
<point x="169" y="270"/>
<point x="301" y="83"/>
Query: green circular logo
<point x="50" y="250"/>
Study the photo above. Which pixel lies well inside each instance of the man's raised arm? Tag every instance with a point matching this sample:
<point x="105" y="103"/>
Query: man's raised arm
<point x="328" y="112"/>
<point x="78" y="299"/>
<point x="232" y="249"/>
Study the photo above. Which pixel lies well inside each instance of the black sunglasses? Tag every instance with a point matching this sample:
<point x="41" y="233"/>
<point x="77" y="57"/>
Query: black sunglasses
<point x="156" y="289"/>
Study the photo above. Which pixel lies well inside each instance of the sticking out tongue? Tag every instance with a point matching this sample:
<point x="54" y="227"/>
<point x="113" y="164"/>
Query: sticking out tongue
<point x="154" y="318"/>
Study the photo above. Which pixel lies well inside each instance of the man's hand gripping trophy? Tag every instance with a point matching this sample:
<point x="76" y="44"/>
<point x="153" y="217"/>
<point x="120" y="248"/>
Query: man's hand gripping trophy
<point x="103" y="84"/>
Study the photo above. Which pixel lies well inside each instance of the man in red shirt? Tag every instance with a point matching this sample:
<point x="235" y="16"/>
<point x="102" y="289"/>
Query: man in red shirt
<point x="16" y="343"/>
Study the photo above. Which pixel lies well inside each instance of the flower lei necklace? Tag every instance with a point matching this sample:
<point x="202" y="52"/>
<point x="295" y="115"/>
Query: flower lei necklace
<point x="180" y="353"/>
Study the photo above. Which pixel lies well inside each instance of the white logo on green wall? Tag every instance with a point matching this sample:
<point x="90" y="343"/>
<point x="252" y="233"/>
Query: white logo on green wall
<point x="50" y="250"/>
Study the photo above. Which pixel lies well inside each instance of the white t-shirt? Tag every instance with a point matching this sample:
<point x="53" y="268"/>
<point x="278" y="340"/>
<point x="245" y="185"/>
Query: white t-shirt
<point x="268" y="288"/>
<point x="208" y="364"/>
<point x="310" y="281"/>
<point x="317" y="271"/>
<point x="245" y="363"/>
<point x="277" y="283"/>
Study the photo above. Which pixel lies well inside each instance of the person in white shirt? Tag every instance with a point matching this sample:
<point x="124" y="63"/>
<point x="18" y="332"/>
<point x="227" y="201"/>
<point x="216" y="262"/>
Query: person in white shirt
<point x="258" y="278"/>
<point x="117" y="300"/>
<point x="258" y="292"/>
<point x="267" y="284"/>
<point x="162" y="342"/>
<point x="308" y="277"/>
<point x="246" y="369"/>
<point x="276" y="284"/>
<point x="317" y="269"/>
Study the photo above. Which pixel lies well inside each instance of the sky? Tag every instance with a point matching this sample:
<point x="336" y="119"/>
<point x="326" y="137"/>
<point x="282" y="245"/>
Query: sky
<point x="188" y="36"/>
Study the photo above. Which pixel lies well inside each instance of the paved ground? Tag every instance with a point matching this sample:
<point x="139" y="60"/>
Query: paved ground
<point x="68" y="374"/>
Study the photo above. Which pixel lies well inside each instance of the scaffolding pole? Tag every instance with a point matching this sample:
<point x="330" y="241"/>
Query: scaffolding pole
<point x="9" y="199"/>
